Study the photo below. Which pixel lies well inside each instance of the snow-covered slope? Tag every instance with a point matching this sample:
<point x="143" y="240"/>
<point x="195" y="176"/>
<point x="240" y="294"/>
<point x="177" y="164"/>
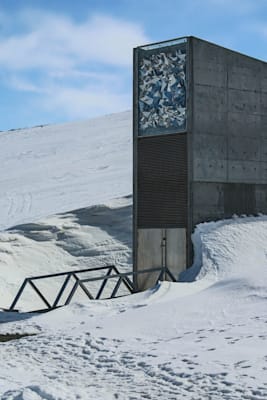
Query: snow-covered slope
<point x="57" y="168"/>
<point x="84" y="238"/>
<point x="64" y="169"/>
<point x="175" y="341"/>
<point x="202" y="338"/>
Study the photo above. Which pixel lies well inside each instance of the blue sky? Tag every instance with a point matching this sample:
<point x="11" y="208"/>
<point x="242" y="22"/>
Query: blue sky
<point x="65" y="60"/>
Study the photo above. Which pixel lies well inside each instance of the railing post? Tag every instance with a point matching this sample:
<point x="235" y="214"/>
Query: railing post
<point x="125" y="280"/>
<point x="11" y="308"/>
<point x="168" y="272"/>
<point x="73" y="290"/>
<point x="48" y="305"/>
<point x="86" y="291"/>
<point x="102" y="287"/>
<point x="116" y="288"/>
<point x="60" y="293"/>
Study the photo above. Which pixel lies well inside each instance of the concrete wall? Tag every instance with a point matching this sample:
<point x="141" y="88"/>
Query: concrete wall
<point x="226" y="155"/>
<point x="229" y="135"/>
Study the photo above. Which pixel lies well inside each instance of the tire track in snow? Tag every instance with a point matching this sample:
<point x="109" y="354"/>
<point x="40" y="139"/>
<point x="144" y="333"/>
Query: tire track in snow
<point x="10" y="211"/>
<point x="18" y="204"/>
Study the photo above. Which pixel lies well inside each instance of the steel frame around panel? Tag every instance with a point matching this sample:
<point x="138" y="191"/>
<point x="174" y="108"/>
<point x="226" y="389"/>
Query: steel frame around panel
<point x="139" y="53"/>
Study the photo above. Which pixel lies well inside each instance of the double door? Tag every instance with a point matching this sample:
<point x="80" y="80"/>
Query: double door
<point x="160" y="248"/>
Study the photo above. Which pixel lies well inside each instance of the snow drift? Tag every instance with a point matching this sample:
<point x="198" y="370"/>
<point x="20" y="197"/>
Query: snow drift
<point x="229" y="248"/>
<point x="84" y="238"/>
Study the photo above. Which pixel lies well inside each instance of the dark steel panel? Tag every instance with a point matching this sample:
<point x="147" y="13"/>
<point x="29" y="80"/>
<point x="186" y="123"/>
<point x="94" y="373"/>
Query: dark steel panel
<point x="239" y="198"/>
<point x="162" y="181"/>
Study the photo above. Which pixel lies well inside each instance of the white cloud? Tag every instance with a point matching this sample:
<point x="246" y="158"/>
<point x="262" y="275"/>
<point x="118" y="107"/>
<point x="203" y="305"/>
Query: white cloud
<point x="84" y="103"/>
<point x="97" y="95"/>
<point x="56" y="42"/>
<point x="22" y="84"/>
<point x="78" y="69"/>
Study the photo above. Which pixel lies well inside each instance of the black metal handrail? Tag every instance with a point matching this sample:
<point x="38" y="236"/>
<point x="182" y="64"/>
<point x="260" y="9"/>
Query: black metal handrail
<point x="111" y="273"/>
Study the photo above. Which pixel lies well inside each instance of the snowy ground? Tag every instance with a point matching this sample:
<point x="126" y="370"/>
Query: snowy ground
<point x="203" y="338"/>
<point x="58" y="168"/>
<point x="85" y="238"/>
<point x="170" y="342"/>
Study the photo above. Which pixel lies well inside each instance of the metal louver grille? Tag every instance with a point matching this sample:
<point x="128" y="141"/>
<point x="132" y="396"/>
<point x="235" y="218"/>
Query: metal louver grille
<point x="239" y="198"/>
<point x="162" y="181"/>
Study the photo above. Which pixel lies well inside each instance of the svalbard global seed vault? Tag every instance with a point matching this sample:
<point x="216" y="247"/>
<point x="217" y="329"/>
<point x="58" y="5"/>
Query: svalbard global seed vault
<point x="200" y="146"/>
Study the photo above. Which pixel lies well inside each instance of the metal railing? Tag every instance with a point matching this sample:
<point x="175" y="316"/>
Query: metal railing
<point x="72" y="278"/>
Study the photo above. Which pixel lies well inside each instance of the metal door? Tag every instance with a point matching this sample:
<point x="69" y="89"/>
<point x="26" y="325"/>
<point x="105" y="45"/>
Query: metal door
<point x="160" y="248"/>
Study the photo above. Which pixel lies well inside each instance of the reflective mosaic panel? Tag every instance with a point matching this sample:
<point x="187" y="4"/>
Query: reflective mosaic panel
<point x="162" y="92"/>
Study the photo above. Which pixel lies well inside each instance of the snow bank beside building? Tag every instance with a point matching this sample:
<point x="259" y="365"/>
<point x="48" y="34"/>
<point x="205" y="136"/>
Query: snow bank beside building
<point x="230" y="248"/>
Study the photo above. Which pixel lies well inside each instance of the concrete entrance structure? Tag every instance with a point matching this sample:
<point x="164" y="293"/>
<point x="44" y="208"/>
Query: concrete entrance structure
<point x="200" y="145"/>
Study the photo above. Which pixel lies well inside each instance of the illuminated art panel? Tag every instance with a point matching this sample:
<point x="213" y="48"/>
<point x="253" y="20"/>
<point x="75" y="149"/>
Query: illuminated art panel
<point x="162" y="92"/>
